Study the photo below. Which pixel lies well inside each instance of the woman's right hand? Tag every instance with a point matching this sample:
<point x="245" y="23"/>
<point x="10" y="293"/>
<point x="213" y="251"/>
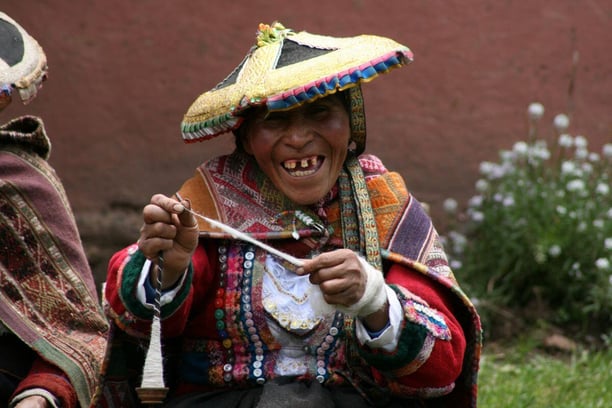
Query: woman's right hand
<point x="169" y="228"/>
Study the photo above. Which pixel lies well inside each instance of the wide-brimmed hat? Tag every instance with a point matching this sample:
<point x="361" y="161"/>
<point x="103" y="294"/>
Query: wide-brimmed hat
<point x="286" y="69"/>
<point x="23" y="64"/>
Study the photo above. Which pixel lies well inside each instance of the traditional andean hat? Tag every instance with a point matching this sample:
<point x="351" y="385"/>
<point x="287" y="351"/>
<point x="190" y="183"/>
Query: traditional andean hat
<point x="286" y="69"/>
<point x="23" y="64"/>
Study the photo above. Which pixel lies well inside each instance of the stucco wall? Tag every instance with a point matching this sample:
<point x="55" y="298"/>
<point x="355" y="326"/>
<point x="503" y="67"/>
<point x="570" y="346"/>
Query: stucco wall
<point x="122" y="73"/>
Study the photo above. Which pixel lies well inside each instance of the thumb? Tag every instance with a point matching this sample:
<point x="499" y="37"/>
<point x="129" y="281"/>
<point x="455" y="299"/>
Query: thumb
<point x="188" y="231"/>
<point x="185" y="215"/>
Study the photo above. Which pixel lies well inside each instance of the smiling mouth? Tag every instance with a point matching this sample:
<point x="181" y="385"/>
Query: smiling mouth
<point x="303" y="167"/>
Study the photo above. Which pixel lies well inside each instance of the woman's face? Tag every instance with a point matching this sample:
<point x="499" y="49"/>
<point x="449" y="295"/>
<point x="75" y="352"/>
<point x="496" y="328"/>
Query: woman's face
<point x="301" y="150"/>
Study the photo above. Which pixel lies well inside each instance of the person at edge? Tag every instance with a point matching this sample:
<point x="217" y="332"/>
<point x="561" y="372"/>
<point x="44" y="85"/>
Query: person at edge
<point x="369" y="315"/>
<point x="53" y="332"/>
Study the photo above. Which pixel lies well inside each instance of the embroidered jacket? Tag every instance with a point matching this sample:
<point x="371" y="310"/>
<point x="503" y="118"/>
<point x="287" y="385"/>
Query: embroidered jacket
<point x="241" y="318"/>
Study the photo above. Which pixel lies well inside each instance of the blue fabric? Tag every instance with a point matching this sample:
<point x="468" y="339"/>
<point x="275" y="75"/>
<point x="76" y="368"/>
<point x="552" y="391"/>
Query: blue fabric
<point x="376" y="334"/>
<point x="150" y="290"/>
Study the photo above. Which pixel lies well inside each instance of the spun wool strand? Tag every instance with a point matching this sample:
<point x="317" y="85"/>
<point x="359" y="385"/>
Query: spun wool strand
<point x="153" y="370"/>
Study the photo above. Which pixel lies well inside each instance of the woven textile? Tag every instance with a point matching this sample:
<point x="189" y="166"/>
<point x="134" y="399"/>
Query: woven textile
<point x="47" y="294"/>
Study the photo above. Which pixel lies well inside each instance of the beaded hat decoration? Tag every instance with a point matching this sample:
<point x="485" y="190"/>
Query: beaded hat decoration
<point x="286" y="69"/>
<point x="23" y="64"/>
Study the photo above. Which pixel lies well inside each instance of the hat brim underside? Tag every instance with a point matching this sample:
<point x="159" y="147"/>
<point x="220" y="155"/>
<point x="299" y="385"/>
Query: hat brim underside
<point x="336" y="64"/>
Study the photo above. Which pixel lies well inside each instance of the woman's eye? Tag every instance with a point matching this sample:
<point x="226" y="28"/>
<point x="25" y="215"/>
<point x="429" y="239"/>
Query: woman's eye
<point x="274" y="116"/>
<point x="318" y="110"/>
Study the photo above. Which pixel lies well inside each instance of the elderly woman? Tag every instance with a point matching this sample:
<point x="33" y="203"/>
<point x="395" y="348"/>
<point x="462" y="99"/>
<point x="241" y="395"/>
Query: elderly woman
<point x="363" y="312"/>
<point x="52" y="327"/>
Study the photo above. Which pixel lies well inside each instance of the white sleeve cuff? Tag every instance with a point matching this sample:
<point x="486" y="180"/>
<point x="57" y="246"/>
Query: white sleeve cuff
<point x="53" y="402"/>
<point x="166" y="297"/>
<point x="389" y="338"/>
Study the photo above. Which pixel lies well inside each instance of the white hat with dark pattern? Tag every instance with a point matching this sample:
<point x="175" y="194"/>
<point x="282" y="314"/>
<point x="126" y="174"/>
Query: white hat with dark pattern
<point x="23" y="64"/>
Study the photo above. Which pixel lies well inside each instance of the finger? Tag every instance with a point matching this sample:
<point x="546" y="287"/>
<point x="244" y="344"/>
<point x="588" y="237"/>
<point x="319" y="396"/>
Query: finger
<point x="158" y="230"/>
<point x="318" y="276"/>
<point x="151" y="247"/>
<point x="333" y="287"/>
<point x="169" y="204"/>
<point x="185" y="217"/>
<point x="153" y="213"/>
<point x="337" y="292"/>
<point x="329" y="260"/>
<point x="337" y="273"/>
<point x="315" y="264"/>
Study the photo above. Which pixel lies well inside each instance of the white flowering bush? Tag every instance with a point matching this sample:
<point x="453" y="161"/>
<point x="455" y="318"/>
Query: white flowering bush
<point x="537" y="235"/>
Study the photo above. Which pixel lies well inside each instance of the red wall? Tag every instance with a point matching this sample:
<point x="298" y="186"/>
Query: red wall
<point x="122" y="73"/>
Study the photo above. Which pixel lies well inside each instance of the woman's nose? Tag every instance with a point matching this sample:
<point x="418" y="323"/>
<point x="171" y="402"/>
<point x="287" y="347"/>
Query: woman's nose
<point x="298" y="133"/>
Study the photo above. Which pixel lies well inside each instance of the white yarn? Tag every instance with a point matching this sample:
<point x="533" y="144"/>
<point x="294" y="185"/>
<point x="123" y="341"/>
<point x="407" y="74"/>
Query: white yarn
<point x="153" y="373"/>
<point x="317" y="302"/>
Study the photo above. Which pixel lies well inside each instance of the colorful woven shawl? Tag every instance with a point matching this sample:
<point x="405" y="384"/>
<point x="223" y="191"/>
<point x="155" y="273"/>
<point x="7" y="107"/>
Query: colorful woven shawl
<point x="47" y="293"/>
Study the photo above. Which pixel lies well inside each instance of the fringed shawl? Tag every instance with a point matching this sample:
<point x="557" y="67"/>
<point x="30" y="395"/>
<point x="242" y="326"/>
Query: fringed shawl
<point x="47" y="293"/>
<point x="388" y="224"/>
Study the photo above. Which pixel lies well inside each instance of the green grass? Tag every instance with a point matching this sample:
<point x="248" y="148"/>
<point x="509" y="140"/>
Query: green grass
<point x="521" y="376"/>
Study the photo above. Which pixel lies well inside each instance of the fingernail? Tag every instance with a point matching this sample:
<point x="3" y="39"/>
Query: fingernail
<point x="179" y="208"/>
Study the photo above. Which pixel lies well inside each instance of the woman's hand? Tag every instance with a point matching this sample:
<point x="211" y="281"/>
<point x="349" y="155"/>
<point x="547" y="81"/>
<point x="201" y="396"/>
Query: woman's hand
<point x="350" y="283"/>
<point x="339" y="275"/>
<point x="169" y="228"/>
<point x="33" y="401"/>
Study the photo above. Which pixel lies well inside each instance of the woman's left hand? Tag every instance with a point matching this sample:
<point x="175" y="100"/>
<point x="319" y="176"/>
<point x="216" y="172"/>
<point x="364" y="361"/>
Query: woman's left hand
<point x="351" y="284"/>
<point x="339" y="274"/>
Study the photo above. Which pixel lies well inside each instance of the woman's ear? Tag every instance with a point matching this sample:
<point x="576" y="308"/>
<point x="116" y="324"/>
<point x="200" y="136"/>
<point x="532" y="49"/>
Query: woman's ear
<point x="245" y="141"/>
<point x="240" y="139"/>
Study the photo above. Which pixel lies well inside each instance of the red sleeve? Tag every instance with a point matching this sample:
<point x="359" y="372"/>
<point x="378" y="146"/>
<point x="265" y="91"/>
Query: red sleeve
<point x="128" y="312"/>
<point x="47" y="376"/>
<point x="446" y="359"/>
